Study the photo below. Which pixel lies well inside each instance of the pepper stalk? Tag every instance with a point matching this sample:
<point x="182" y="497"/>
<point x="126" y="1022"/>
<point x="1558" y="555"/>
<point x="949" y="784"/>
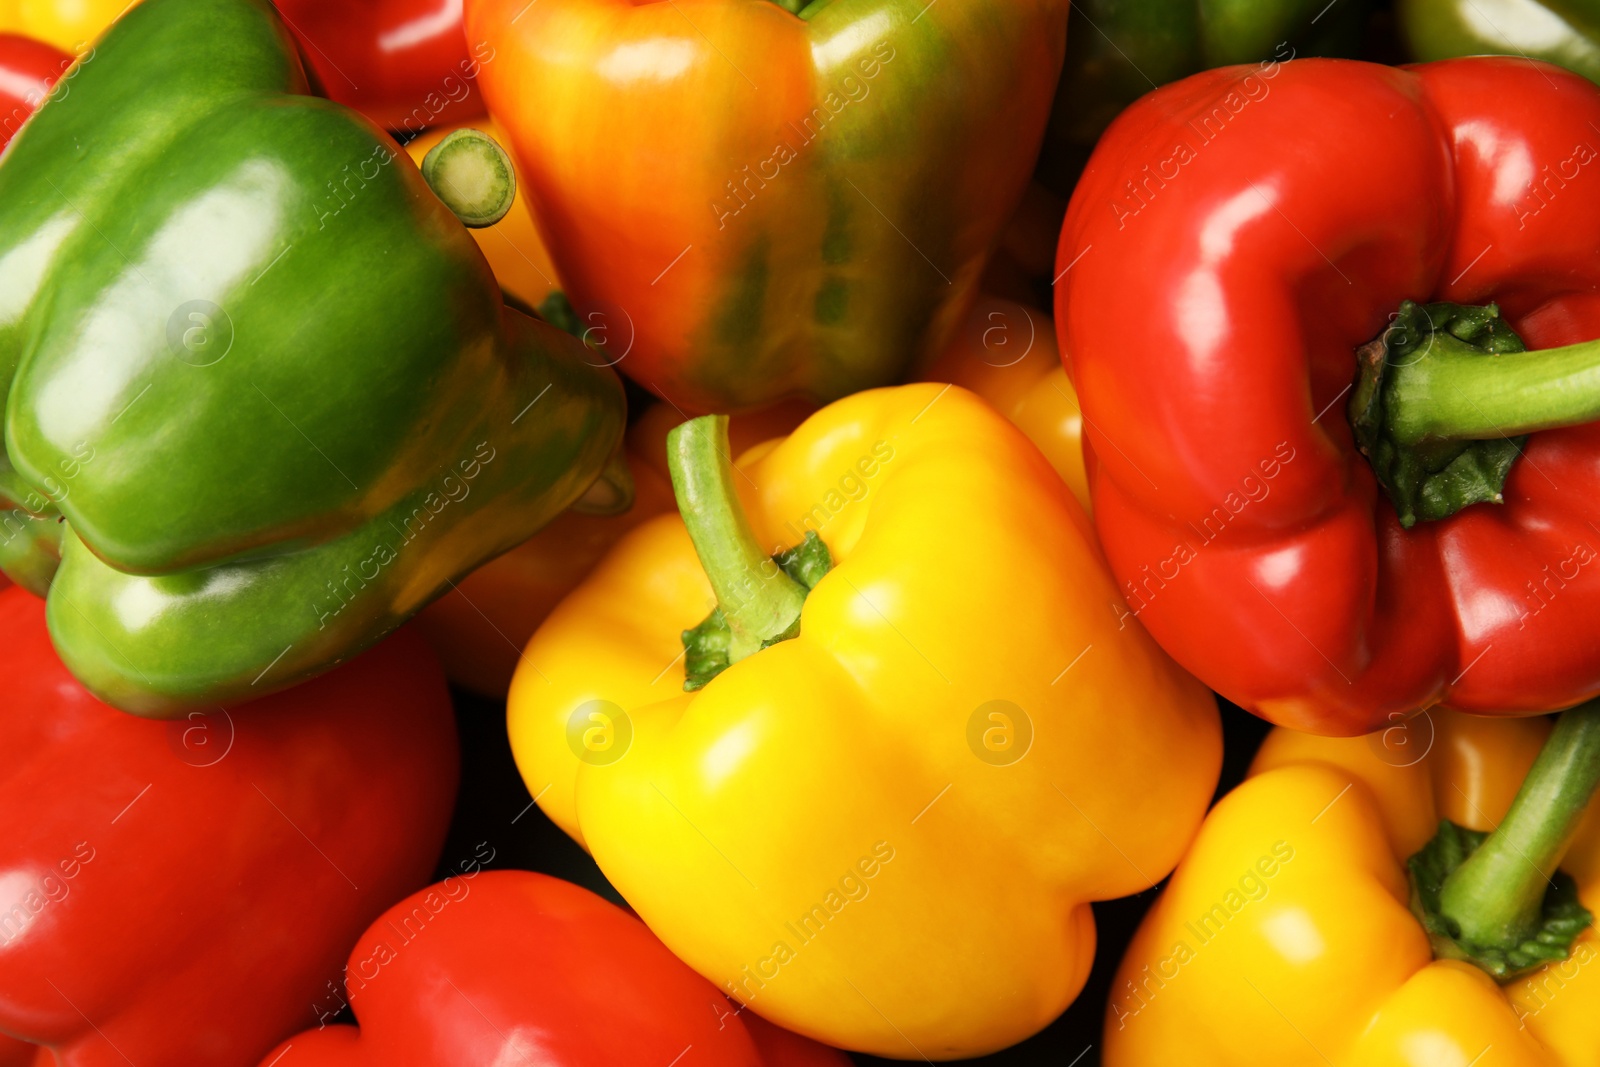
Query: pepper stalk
<point x="759" y="597"/>
<point x="472" y="174"/>
<point x="1498" y="899"/>
<point x="1445" y="395"/>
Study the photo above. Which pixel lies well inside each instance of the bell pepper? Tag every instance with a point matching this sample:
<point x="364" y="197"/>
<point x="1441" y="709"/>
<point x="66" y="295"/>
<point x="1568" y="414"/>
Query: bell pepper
<point x="1290" y="930"/>
<point x="1564" y="32"/>
<point x="1326" y="536"/>
<point x="809" y="199"/>
<point x="512" y="246"/>
<point x="1118" y="51"/>
<point x="28" y="68"/>
<point x="915" y="743"/>
<point x="174" y="894"/>
<point x="519" y="967"/>
<point x="405" y="64"/>
<point x="274" y="394"/>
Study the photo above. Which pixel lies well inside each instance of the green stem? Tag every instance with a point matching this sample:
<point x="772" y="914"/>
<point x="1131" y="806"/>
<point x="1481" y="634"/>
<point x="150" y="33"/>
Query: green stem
<point x="1455" y="394"/>
<point x="1497" y="895"/>
<point x="791" y="6"/>
<point x="1444" y="397"/>
<point x="472" y="174"/>
<point x="759" y="601"/>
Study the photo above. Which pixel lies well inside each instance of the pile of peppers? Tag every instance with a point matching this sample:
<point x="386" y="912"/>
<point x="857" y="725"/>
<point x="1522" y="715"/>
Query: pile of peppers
<point x="782" y="533"/>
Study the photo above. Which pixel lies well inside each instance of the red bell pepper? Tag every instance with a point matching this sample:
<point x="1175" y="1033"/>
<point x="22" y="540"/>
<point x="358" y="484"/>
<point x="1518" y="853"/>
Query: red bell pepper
<point x="405" y="64"/>
<point x="180" y="893"/>
<point x="28" y="69"/>
<point x="1236" y="238"/>
<point x="521" y="968"/>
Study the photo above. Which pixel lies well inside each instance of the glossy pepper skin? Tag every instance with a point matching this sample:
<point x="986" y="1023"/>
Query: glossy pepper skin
<point x="1564" y="32"/>
<point x="179" y="893"/>
<point x="1210" y="331"/>
<point x="405" y="64"/>
<point x="808" y="202"/>
<point x="278" y="418"/>
<point x="28" y="68"/>
<point x="844" y="831"/>
<point x="70" y="25"/>
<point x="1286" y="927"/>
<point x="520" y="967"/>
<point x="1118" y="50"/>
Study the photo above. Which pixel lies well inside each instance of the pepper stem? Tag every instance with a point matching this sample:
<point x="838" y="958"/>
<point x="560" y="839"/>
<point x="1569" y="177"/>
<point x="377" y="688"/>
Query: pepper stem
<point x="472" y="174"/>
<point x="1444" y="396"/>
<point x="1496" y="896"/>
<point x="1497" y="900"/>
<point x="758" y="600"/>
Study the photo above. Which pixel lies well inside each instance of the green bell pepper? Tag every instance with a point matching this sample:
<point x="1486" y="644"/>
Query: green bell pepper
<point x="259" y="369"/>
<point x="1118" y="50"/>
<point x="1564" y="32"/>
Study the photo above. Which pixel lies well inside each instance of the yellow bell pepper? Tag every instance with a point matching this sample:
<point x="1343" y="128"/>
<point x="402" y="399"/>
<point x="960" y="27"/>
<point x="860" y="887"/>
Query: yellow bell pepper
<point x="1285" y="936"/>
<point x="70" y="25"/>
<point x="882" y="832"/>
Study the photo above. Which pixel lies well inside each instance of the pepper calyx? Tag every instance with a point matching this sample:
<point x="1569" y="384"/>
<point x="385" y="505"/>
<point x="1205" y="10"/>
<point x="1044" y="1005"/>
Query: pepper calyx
<point x="708" y="647"/>
<point x="1561" y="917"/>
<point x="1428" y="476"/>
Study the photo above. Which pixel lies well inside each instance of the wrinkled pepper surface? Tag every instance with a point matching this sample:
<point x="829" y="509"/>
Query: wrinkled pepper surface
<point x="809" y="199"/>
<point x="884" y="832"/>
<point x="28" y="68"/>
<point x="260" y="371"/>
<point x="519" y="967"/>
<point x="1564" y="32"/>
<point x="1287" y="926"/>
<point x="1218" y="292"/>
<point x="180" y="893"/>
<point x="1117" y="51"/>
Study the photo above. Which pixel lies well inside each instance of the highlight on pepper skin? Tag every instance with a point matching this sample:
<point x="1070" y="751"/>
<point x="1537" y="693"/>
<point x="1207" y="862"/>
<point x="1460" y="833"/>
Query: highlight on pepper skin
<point x="789" y="533"/>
